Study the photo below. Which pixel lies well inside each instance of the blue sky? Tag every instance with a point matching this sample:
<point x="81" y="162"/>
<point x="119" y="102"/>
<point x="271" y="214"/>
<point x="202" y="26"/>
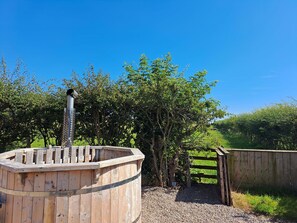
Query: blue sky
<point x="250" y="47"/>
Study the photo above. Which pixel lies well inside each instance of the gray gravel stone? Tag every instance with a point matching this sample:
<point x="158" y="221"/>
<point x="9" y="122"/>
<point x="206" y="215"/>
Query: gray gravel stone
<point x="191" y="205"/>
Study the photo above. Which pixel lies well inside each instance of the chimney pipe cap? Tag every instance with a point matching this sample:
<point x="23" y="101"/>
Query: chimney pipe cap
<point x="72" y="93"/>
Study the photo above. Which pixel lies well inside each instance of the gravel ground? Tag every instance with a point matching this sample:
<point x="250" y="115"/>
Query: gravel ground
<point x="191" y="205"/>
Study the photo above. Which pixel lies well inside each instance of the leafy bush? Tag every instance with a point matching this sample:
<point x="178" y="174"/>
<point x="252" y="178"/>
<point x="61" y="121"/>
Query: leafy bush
<point x="273" y="127"/>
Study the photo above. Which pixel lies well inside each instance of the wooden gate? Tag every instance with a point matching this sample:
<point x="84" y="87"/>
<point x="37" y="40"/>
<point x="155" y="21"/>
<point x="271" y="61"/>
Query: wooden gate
<point x="211" y="168"/>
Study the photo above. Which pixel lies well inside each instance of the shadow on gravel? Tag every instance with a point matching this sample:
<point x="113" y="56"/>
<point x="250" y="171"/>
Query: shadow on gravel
<point x="200" y="193"/>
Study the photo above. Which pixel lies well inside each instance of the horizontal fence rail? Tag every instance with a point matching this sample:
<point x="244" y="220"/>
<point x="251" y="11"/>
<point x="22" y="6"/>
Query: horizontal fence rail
<point x="263" y="168"/>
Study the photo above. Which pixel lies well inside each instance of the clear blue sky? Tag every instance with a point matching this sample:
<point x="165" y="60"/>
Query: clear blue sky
<point x="250" y="47"/>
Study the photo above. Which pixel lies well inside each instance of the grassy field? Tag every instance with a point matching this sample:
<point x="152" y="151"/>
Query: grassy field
<point x="279" y="205"/>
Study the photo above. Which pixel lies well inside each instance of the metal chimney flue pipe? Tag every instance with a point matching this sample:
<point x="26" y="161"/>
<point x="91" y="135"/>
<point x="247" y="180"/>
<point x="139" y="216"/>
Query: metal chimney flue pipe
<point x="69" y="118"/>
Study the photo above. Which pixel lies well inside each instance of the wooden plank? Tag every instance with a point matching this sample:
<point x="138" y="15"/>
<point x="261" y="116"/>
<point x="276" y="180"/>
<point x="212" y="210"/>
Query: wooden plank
<point x="123" y="201"/>
<point x="135" y="201"/>
<point x="62" y="203"/>
<point x="244" y="168"/>
<point x="293" y="170"/>
<point x="264" y="169"/>
<point x="97" y="155"/>
<point x="204" y="167"/>
<point x="29" y="157"/>
<point x="87" y="154"/>
<point x="251" y="169"/>
<point x="73" y="154"/>
<point x="226" y="180"/>
<point x="66" y="155"/>
<point x="203" y="158"/>
<point x="19" y="157"/>
<point x="49" y="156"/>
<point x="39" y="156"/>
<point x="74" y="201"/>
<point x="96" y="215"/>
<point x="38" y="202"/>
<point x="279" y="169"/>
<point x="138" y="186"/>
<point x="202" y="175"/>
<point x="287" y="171"/>
<point x="127" y="169"/>
<point x="9" y="200"/>
<point x="114" y="195"/>
<point x="80" y="154"/>
<point x="106" y="215"/>
<point x="28" y="201"/>
<point x="258" y="180"/>
<point x="57" y="155"/>
<point x="235" y="172"/>
<point x="50" y="202"/>
<point x="17" y="201"/>
<point x="93" y="155"/>
<point x="230" y="202"/>
<point x="221" y="174"/>
<point x="85" y="199"/>
<point x="3" y="196"/>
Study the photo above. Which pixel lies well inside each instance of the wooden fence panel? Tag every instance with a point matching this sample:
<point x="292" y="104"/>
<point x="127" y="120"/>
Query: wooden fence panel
<point x="263" y="168"/>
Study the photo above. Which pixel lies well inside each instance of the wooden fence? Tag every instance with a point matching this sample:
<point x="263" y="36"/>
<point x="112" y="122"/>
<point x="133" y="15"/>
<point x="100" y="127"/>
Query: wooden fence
<point x="263" y="168"/>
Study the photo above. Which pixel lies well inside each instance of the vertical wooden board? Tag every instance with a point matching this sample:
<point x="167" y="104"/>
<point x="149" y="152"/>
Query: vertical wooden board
<point x="58" y="155"/>
<point x="49" y="156"/>
<point x="85" y="199"/>
<point x="125" y="194"/>
<point x="19" y="157"/>
<point x="128" y="192"/>
<point x="38" y="202"/>
<point x="114" y="195"/>
<point x="251" y="169"/>
<point x="29" y="157"/>
<point x="138" y="187"/>
<point x="93" y="155"/>
<point x="3" y="196"/>
<point x="62" y="203"/>
<point x="96" y="214"/>
<point x="39" y="156"/>
<point x="279" y="169"/>
<point x="27" y="206"/>
<point x="265" y="177"/>
<point x="258" y="169"/>
<point x="87" y="154"/>
<point x="17" y="201"/>
<point x="294" y="171"/>
<point x="236" y="176"/>
<point x="286" y="182"/>
<point x="123" y="206"/>
<point x="74" y="200"/>
<point x="66" y="155"/>
<point x="134" y="199"/>
<point x="106" y="215"/>
<point x="221" y="177"/>
<point x="243" y="168"/>
<point x="73" y="154"/>
<point x="9" y="200"/>
<point x="80" y="158"/>
<point x="271" y="169"/>
<point x="97" y="155"/>
<point x="50" y="202"/>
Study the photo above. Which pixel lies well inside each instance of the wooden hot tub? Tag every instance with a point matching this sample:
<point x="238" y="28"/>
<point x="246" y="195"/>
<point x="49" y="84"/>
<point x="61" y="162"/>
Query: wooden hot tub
<point x="78" y="184"/>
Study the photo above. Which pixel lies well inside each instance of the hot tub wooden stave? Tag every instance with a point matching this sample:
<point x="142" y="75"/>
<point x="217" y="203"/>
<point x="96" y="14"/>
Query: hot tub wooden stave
<point x="102" y="190"/>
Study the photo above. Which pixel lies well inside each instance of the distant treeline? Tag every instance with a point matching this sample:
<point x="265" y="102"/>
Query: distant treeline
<point x="154" y="107"/>
<point x="273" y="127"/>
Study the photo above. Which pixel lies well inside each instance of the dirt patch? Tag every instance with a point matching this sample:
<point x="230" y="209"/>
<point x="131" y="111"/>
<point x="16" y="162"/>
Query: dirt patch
<point x="191" y="205"/>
